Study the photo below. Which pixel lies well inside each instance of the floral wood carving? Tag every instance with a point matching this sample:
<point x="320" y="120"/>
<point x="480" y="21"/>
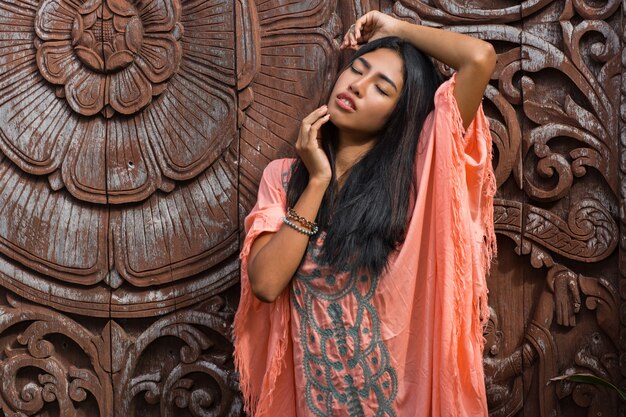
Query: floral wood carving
<point x="158" y="95"/>
<point x="108" y="55"/>
<point x="73" y="364"/>
<point x="70" y="238"/>
<point x="132" y="211"/>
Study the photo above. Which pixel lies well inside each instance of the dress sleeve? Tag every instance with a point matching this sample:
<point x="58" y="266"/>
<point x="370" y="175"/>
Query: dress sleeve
<point x="472" y="148"/>
<point x="261" y="330"/>
<point x="271" y="206"/>
<point x="465" y="139"/>
<point x="464" y="239"/>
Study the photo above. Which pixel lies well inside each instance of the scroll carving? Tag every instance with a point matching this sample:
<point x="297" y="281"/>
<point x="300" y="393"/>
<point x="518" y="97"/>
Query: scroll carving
<point x="58" y="360"/>
<point x="133" y="134"/>
<point x="201" y="382"/>
<point x="593" y="127"/>
<point x="589" y="235"/>
<point x="79" y="386"/>
<point x="622" y="217"/>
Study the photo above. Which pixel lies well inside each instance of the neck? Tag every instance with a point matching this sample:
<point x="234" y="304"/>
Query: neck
<point x="350" y="150"/>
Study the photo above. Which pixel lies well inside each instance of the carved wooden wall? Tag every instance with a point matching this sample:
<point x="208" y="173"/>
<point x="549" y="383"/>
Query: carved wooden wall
<point x="133" y="134"/>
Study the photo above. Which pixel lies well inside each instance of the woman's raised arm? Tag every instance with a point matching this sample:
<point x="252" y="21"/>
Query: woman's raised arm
<point x="275" y="257"/>
<point x="472" y="58"/>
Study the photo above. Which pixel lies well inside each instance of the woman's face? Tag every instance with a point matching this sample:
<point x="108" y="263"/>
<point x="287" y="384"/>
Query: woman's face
<point x="366" y="93"/>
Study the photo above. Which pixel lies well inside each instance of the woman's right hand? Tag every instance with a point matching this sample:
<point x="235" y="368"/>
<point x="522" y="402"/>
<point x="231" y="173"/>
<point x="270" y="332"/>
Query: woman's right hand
<point x="309" y="146"/>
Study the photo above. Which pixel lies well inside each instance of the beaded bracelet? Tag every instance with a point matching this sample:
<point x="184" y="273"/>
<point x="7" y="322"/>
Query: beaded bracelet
<point x="300" y="229"/>
<point x="291" y="213"/>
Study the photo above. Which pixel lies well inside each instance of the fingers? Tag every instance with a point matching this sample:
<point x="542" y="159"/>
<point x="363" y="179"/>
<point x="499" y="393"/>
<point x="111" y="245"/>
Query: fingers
<point x="311" y="133"/>
<point x="349" y="39"/>
<point x="354" y="35"/>
<point x="565" y="313"/>
<point x="309" y="148"/>
<point x="360" y="24"/>
<point x="316" y="126"/>
<point x="573" y="287"/>
<point x="560" y="293"/>
<point x="310" y="126"/>
<point x="314" y="115"/>
<point x="560" y="314"/>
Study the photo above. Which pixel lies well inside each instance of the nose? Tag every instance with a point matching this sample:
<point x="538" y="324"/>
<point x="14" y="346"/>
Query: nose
<point x="356" y="87"/>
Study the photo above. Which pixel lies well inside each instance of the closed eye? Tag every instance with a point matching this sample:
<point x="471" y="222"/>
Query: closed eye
<point x="356" y="71"/>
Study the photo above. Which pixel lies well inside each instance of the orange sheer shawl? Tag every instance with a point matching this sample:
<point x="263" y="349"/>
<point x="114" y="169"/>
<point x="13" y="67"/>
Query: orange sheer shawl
<point x="431" y="302"/>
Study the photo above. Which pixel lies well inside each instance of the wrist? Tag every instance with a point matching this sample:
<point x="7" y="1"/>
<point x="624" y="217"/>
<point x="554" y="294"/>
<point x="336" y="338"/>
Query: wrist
<point x="319" y="183"/>
<point x="403" y="28"/>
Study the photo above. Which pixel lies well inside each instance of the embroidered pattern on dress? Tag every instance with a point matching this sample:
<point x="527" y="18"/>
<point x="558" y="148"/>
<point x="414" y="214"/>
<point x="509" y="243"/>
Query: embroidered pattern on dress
<point x="346" y="365"/>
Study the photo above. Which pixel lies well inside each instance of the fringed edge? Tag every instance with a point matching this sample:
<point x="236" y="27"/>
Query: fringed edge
<point x="269" y="381"/>
<point x="489" y="248"/>
<point x="457" y="191"/>
<point x="459" y="235"/>
<point x="250" y="402"/>
<point x="257" y="406"/>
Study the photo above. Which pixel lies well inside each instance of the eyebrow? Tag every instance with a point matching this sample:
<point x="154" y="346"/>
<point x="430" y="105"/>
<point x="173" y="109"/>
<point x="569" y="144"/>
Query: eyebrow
<point x="383" y="76"/>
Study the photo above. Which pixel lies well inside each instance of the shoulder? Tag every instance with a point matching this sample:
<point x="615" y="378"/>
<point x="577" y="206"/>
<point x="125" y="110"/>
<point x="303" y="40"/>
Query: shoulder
<point x="279" y="165"/>
<point x="278" y="171"/>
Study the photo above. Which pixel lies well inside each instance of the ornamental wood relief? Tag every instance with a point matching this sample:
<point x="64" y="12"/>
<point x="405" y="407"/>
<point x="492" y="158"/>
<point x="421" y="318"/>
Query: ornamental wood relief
<point x="133" y="134"/>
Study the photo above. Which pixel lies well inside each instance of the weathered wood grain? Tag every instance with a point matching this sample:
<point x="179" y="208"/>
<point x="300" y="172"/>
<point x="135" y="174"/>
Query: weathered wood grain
<point x="133" y="135"/>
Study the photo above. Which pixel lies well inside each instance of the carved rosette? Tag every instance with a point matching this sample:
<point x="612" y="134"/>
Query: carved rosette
<point x="141" y="210"/>
<point x="118" y="143"/>
<point x="113" y="100"/>
<point x="108" y="56"/>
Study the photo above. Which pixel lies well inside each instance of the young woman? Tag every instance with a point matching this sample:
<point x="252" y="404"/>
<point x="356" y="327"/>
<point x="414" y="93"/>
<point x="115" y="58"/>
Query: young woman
<point x="363" y="268"/>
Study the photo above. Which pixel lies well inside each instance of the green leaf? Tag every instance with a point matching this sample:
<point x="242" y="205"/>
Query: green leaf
<point x="589" y="379"/>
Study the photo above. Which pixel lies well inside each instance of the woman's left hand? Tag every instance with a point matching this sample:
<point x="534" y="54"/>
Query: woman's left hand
<point x="370" y="26"/>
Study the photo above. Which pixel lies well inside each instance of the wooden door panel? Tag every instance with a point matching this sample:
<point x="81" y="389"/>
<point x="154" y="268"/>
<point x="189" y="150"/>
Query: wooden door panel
<point x="119" y="169"/>
<point x="133" y="135"/>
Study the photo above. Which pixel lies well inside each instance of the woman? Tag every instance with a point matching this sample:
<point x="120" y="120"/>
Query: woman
<point x="363" y="267"/>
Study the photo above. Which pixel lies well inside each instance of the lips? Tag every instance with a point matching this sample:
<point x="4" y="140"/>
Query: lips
<point x="346" y="102"/>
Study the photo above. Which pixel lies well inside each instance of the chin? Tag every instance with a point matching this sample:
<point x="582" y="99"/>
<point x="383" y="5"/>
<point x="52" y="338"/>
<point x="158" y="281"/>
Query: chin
<point x="339" y="122"/>
<point x="337" y="117"/>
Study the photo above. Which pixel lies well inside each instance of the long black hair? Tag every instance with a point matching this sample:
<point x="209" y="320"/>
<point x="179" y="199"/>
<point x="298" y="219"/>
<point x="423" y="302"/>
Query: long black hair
<point x="366" y="219"/>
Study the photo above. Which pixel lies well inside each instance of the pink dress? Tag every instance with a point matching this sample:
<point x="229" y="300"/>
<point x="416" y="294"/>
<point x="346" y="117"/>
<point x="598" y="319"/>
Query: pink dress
<point x="407" y="343"/>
